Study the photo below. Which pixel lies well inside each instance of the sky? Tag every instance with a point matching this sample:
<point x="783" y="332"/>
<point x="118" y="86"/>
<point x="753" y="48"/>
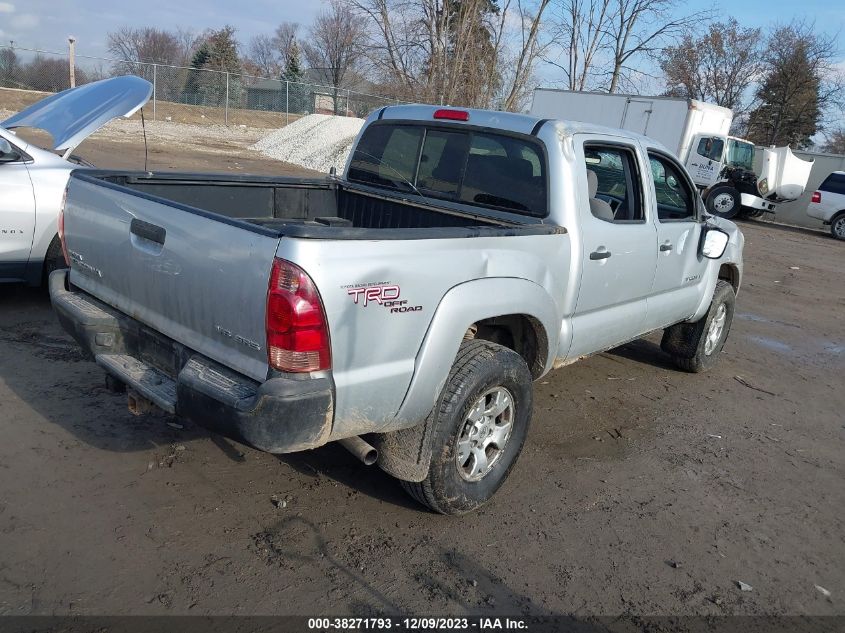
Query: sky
<point x="46" y="24"/>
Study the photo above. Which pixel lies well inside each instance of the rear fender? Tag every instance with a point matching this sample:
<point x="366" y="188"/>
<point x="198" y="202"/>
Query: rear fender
<point x="406" y="452"/>
<point x="462" y="306"/>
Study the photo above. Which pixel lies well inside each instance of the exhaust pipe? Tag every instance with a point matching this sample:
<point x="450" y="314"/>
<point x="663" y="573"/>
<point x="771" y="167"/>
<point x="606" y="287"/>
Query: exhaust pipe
<point x="361" y="449"/>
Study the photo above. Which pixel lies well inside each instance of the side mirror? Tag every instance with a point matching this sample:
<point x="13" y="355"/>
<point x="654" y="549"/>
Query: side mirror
<point x="8" y="153"/>
<point x="714" y="242"/>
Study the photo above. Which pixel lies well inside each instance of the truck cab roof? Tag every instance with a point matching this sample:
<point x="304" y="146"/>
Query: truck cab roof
<point x="508" y="121"/>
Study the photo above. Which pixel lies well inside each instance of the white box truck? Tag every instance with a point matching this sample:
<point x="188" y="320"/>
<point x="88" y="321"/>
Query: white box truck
<point x="722" y="166"/>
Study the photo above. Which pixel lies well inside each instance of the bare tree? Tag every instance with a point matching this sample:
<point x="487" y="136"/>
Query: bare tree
<point x="835" y="143"/>
<point x="579" y="30"/>
<point x="529" y="48"/>
<point x="718" y="67"/>
<point x="336" y="45"/>
<point x="145" y="45"/>
<point x="641" y="28"/>
<point x="479" y="53"/>
<point x="263" y="56"/>
<point x="286" y="39"/>
<point x="188" y="43"/>
<point x="597" y="42"/>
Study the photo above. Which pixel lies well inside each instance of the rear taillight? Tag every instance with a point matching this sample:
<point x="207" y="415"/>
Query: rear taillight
<point x="297" y="333"/>
<point x="61" y="228"/>
<point x="817" y="196"/>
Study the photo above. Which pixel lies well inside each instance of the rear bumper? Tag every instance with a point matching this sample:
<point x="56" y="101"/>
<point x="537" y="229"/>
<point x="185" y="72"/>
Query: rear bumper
<point x="280" y="415"/>
<point x="817" y="211"/>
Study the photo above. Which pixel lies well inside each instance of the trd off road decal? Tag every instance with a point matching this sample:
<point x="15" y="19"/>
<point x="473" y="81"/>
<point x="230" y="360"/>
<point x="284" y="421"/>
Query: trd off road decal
<point x="382" y="294"/>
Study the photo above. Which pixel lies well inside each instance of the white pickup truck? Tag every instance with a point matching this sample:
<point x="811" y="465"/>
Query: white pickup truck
<point x="33" y="179"/>
<point x="406" y="307"/>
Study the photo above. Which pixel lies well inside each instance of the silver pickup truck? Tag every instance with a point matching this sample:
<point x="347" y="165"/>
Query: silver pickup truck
<point x="462" y="255"/>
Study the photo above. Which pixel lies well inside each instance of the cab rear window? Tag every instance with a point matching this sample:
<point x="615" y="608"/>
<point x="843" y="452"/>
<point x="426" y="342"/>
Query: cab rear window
<point x="499" y="171"/>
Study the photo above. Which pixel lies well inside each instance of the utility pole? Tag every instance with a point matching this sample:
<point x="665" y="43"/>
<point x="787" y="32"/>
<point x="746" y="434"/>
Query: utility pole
<point x="71" y="45"/>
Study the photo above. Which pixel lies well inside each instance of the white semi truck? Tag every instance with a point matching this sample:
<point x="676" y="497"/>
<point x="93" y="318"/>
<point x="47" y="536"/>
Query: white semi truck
<point x="732" y="176"/>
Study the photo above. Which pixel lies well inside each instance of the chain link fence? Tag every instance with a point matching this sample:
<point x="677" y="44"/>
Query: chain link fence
<point x="186" y="93"/>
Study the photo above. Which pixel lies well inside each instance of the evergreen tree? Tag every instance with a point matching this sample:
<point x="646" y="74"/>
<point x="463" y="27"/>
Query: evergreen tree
<point x="298" y="96"/>
<point x="795" y="90"/>
<point x="191" y="93"/>
<point x="293" y="67"/>
<point x="217" y="52"/>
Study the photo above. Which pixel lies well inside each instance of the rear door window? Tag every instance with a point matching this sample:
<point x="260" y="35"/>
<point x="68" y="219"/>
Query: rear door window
<point x="835" y="183"/>
<point x="500" y="171"/>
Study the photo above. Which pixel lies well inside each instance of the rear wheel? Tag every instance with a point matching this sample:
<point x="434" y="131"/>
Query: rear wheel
<point x="480" y="423"/>
<point x="837" y="226"/>
<point x="53" y="260"/>
<point x="723" y="201"/>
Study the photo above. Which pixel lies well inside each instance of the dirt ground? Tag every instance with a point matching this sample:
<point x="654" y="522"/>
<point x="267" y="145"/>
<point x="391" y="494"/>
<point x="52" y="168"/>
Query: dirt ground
<point x="642" y="489"/>
<point x="174" y="147"/>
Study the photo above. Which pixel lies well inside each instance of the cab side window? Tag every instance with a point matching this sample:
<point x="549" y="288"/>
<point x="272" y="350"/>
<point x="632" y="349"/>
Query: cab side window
<point x="613" y="184"/>
<point x="711" y="148"/>
<point x="675" y="198"/>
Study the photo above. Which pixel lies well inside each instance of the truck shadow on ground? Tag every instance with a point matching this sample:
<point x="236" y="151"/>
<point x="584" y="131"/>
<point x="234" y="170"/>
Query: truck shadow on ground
<point x="336" y="463"/>
<point x="450" y="582"/>
<point x="644" y="352"/>
<point x="47" y="374"/>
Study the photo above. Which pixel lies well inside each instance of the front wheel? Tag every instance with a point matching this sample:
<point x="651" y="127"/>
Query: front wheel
<point x="723" y="201"/>
<point x="695" y="346"/>
<point x="480" y="423"/>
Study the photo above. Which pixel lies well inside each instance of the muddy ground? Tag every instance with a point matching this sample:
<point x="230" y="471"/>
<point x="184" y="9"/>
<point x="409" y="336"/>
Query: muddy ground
<point x="642" y="489"/>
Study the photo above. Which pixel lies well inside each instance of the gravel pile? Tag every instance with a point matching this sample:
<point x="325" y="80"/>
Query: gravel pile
<point x="316" y="141"/>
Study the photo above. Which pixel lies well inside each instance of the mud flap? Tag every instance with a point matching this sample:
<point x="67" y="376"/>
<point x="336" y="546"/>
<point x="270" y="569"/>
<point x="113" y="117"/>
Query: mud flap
<point x="681" y="340"/>
<point x="405" y="454"/>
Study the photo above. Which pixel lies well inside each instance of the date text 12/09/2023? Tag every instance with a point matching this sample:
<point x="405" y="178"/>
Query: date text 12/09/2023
<point x="417" y="624"/>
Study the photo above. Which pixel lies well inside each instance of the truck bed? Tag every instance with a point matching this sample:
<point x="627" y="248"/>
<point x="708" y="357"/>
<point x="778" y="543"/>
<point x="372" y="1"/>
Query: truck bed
<point x="190" y="255"/>
<point x="312" y="207"/>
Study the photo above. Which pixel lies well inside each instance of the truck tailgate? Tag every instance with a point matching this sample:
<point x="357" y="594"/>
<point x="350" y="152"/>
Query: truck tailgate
<point x="198" y="278"/>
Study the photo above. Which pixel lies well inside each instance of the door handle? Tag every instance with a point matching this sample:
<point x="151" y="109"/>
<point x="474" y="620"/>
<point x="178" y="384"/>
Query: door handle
<point x="148" y="231"/>
<point x="599" y="255"/>
<point x="665" y="247"/>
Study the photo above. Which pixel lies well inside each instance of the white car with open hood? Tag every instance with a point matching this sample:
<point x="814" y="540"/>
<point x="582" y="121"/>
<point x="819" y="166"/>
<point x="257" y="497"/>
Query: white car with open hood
<point x="33" y="179"/>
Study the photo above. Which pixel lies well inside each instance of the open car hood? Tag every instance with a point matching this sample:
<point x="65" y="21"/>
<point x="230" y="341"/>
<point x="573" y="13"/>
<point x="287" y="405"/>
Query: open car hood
<point x="73" y="115"/>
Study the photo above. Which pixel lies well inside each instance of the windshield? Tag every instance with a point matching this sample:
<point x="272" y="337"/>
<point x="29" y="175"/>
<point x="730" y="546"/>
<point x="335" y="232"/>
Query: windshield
<point x="740" y="154"/>
<point x="500" y="171"/>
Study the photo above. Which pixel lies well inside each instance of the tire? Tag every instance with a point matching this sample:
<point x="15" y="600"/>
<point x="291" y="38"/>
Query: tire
<point x="837" y="226"/>
<point x="723" y="201"/>
<point x="484" y="374"/>
<point x="751" y="213"/>
<point x="53" y="260"/>
<point x="694" y="347"/>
